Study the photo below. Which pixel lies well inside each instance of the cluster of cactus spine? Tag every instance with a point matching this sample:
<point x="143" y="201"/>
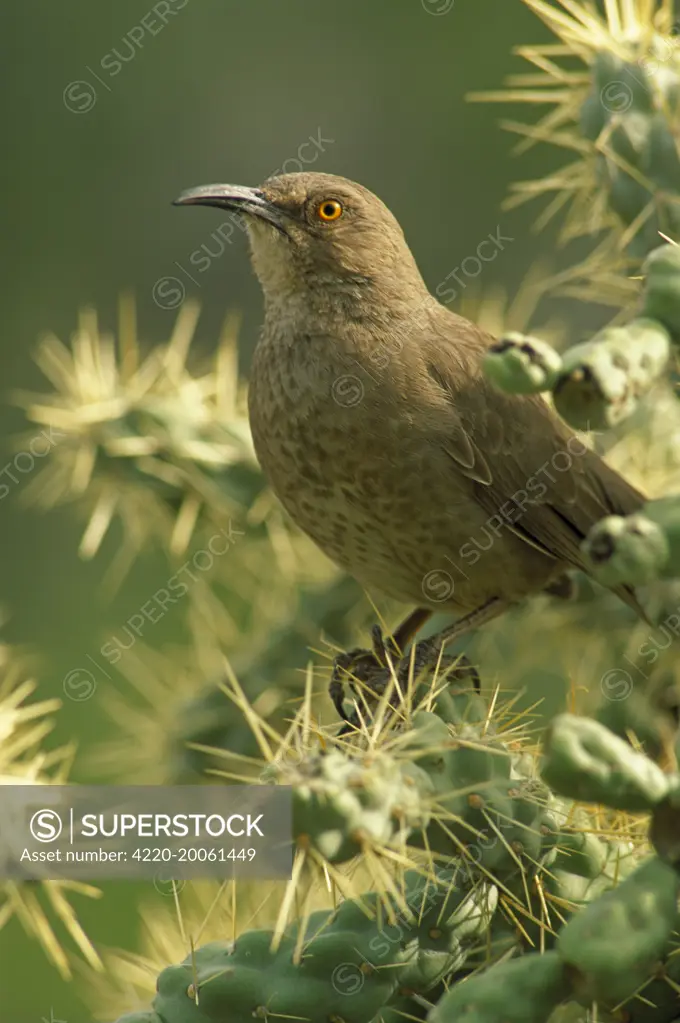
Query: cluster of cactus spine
<point x="610" y="951"/>
<point x="136" y="427"/>
<point x="619" y="114"/>
<point x="176" y="714"/>
<point x="44" y="909"/>
<point x="543" y="912"/>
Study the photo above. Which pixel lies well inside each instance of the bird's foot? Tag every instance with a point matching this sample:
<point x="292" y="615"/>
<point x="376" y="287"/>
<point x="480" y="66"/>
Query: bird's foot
<point x="369" y="673"/>
<point x="430" y="658"/>
<point x="369" y="670"/>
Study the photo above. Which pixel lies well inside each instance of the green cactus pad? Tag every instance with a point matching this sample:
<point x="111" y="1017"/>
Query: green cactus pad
<point x="662" y="291"/>
<point x="638" y="548"/>
<point x="602" y="380"/>
<point x="349" y="964"/>
<point x="522" y="365"/>
<point x="632" y="549"/>
<point x="613" y="944"/>
<point x="586" y="761"/>
<point x="521" y="991"/>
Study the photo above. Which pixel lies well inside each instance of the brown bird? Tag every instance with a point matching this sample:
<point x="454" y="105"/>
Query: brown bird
<point x="377" y="429"/>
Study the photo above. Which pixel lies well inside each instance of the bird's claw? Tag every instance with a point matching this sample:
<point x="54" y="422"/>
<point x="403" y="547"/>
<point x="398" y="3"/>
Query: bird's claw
<point x="364" y="668"/>
<point x="372" y="671"/>
<point x="384" y="651"/>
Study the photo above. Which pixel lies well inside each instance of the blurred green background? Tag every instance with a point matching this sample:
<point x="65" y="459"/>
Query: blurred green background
<point x="96" y="148"/>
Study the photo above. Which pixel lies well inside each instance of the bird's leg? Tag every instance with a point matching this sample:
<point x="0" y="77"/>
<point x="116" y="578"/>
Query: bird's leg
<point x="428" y="652"/>
<point x="364" y="665"/>
<point x="409" y="627"/>
<point x="396" y="644"/>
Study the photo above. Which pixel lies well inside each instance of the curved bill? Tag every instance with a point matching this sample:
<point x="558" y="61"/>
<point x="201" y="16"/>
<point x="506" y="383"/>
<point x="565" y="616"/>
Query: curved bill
<point x="239" y="198"/>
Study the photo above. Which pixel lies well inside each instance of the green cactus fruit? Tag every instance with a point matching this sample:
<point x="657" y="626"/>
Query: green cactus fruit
<point x="602" y="380"/>
<point x="573" y="867"/>
<point x="522" y="365"/>
<point x="523" y="990"/>
<point x="340" y="802"/>
<point x="483" y="803"/>
<point x="631" y="549"/>
<point x="584" y="760"/>
<point x="613" y="944"/>
<point x="638" y="548"/>
<point x="470" y="772"/>
<point x="508" y="825"/>
<point x="565" y="879"/>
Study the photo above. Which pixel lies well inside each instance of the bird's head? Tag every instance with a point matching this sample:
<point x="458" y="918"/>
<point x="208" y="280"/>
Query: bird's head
<point x="310" y="230"/>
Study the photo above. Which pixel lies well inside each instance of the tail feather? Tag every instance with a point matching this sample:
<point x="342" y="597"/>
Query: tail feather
<point x="629" y="596"/>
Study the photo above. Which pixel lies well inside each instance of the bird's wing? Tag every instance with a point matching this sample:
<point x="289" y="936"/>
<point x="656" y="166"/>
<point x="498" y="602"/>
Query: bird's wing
<point x="523" y="461"/>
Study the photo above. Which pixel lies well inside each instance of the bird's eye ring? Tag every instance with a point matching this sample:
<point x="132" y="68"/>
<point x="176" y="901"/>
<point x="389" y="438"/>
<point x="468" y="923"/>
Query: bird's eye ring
<point x="328" y="210"/>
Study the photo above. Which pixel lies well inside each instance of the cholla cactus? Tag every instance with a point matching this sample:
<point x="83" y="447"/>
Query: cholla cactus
<point x="619" y="952"/>
<point x="619" y="113"/>
<point x="43" y="909"/>
<point x="548" y="878"/>
<point x="140" y="437"/>
<point x="179" y="918"/>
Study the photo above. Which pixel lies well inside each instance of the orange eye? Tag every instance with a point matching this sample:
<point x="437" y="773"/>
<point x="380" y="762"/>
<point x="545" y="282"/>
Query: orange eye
<point x="329" y="209"/>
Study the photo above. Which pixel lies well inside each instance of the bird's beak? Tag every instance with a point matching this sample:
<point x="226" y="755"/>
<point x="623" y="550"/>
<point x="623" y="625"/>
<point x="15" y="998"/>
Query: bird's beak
<point x="238" y="198"/>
